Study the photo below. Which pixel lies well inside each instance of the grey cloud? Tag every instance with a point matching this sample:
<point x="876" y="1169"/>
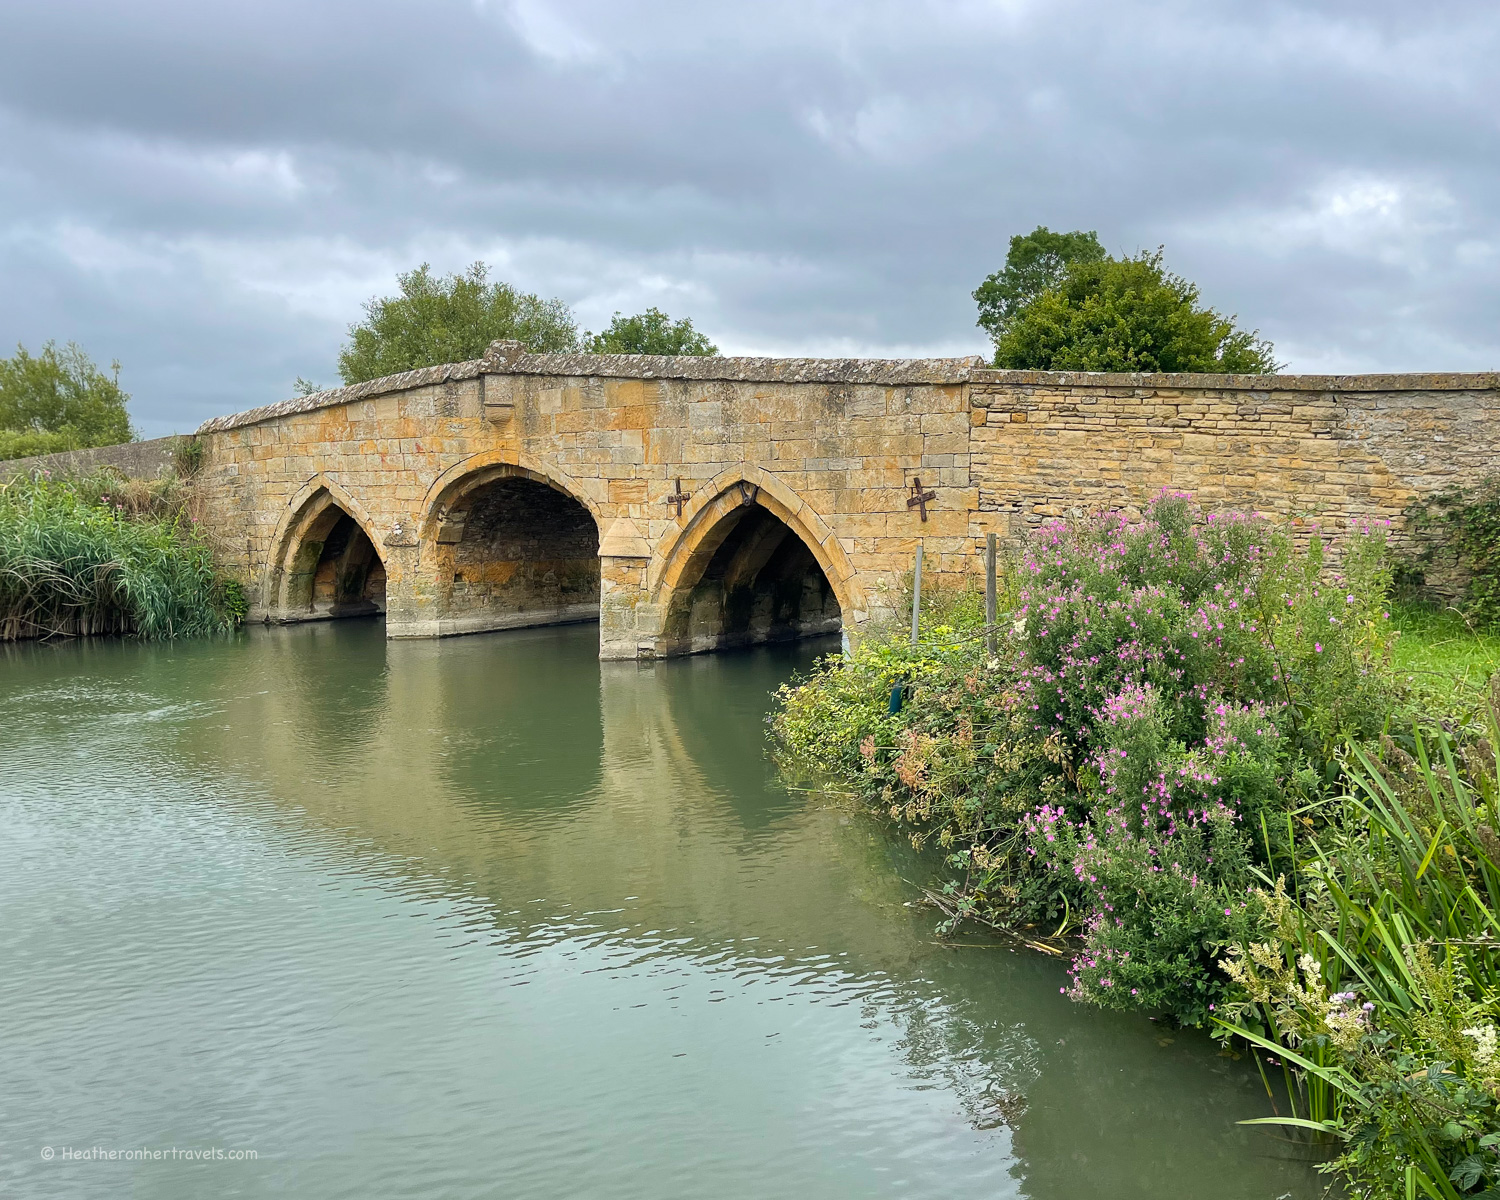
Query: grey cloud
<point x="208" y="192"/>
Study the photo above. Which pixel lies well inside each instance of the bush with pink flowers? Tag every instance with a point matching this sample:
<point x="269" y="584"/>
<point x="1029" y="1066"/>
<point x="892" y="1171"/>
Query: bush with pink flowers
<point x="1169" y="690"/>
<point x="1161" y="850"/>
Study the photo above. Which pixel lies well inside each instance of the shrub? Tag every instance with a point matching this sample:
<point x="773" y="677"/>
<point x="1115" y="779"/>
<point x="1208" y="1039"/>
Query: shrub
<point x="1128" y="314"/>
<point x="1184" y="665"/>
<point x="59" y="400"/>
<point x="650" y="332"/>
<point x="442" y="319"/>
<point x="1165" y="851"/>
<point x="1169" y="688"/>
<point x="27" y="443"/>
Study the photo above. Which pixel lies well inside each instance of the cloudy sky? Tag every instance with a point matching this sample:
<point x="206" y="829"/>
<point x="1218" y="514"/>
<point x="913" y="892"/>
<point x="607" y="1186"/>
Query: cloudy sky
<point x="207" y="192"/>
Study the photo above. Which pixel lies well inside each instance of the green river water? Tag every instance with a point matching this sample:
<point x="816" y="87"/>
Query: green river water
<point x="486" y="917"/>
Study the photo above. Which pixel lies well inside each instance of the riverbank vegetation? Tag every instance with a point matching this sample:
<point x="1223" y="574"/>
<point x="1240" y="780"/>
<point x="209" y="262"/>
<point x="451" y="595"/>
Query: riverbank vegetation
<point x="1212" y="766"/>
<point x="106" y="554"/>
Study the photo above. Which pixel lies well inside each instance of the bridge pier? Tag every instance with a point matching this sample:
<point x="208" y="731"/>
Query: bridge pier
<point x="627" y="619"/>
<point x="408" y="604"/>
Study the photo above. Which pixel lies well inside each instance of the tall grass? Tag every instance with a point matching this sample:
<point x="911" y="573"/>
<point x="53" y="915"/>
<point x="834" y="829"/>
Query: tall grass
<point x="102" y="554"/>
<point x="1381" y="985"/>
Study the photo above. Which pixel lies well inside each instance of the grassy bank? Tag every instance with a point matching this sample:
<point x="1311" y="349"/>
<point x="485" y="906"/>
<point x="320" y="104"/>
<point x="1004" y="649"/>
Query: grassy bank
<point x="103" y="554"/>
<point x="1235" y="786"/>
<point x="1444" y="656"/>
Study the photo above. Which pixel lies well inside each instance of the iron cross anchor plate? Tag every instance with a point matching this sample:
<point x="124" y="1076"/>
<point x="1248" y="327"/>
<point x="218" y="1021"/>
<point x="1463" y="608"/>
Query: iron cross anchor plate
<point x="920" y="499"/>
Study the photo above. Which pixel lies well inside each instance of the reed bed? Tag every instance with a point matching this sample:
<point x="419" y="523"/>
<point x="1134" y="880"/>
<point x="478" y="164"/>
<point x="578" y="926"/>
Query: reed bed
<point x="1379" y="990"/>
<point x="101" y="554"/>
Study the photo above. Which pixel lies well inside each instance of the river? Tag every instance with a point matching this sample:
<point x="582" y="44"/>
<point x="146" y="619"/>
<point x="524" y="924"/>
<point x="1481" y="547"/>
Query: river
<point x="486" y="917"/>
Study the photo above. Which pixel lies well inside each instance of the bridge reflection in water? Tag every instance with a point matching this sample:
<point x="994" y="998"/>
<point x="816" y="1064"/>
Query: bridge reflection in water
<point x="486" y="913"/>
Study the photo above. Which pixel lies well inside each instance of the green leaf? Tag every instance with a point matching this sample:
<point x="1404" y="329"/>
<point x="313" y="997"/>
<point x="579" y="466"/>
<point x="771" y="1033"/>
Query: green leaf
<point x="1297" y="1122"/>
<point x="1432" y="849"/>
<point x="1467" y="1171"/>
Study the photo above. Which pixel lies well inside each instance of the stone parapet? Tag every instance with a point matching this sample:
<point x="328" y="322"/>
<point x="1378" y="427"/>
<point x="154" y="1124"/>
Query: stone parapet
<point x="1421" y="381"/>
<point x="715" y="368"/>
<point x="1311" y="449"/>
<point x="136" y="460"/>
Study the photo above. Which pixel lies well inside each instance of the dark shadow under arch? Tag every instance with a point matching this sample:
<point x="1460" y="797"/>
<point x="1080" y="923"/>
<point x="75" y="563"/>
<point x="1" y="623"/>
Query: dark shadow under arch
<point x="749" y="579"/>
<point x="332" y="568"/>
<point x="511" y="550"/>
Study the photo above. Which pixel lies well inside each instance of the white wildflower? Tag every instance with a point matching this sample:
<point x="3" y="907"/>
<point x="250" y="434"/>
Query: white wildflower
<point x="1485" y="1048"/>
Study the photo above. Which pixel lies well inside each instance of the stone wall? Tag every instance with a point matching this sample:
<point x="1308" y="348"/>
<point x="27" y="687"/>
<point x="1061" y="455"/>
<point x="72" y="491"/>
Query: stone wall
<point x="136" y="460"/>
<point x="1325" y="449"/>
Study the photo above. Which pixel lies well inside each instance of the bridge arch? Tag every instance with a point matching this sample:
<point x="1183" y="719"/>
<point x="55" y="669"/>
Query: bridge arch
<point x="472" y="472"/>
<point x="507" y="541"/>
<point x="751" y="562"/>
<point x="325" y="559"/>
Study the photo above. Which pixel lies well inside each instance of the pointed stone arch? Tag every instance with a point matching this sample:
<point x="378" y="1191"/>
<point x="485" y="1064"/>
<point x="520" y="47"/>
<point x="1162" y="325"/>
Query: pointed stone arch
<point x="474" y="472"/>
<point x="505" y="540"/>
<point x="712" y="515"/>
<point x="298" y="541"/>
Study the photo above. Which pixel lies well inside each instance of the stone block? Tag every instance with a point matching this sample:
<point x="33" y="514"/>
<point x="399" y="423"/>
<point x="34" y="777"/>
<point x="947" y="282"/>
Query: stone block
<point x="626" y="491"/>
<point x="862" y="524"/>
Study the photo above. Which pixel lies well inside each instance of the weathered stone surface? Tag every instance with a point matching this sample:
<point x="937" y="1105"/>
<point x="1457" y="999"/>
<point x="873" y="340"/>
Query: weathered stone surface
<point x="137" y="460"/>
<point x="633" y="367"/>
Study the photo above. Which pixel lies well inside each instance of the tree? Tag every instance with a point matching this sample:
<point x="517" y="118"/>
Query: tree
<point x="650" y="332"/>
<point x="59" y="400"/>
<point x="442" y="319"/>
<point x="1036" y="262"/>
<point x="1127" y="314"/>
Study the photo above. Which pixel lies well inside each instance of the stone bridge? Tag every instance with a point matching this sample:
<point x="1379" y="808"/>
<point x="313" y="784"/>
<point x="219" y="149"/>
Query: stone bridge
<point x="690" y="504"/>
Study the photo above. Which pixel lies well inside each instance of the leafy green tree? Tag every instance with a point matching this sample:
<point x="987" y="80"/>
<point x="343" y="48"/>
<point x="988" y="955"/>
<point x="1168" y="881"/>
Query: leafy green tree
<point x="1127" y="314"/>
<point x="59" y="400"/>
<point x="451" y="318"/>
<point x="14" y="444"/>
<point x="650" y="332"/>
<point x="1036" y="262"/>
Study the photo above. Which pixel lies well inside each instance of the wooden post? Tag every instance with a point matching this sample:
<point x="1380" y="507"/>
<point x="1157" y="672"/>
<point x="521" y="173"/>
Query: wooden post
<point x="916" y="594"/>
<point x="989" y="591"/>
